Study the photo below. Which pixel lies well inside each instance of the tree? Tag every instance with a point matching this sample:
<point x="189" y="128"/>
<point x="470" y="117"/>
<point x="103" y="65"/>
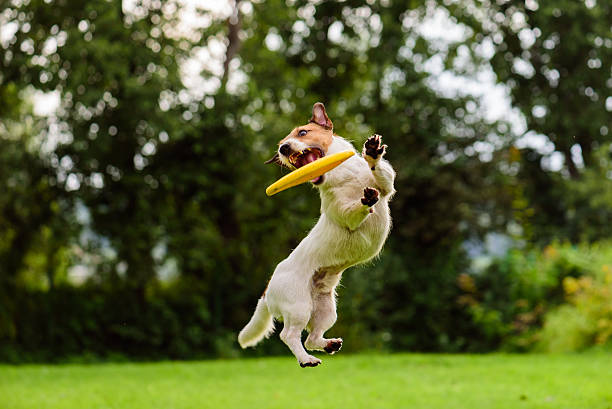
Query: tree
<point x="110" y="67"/>
<point x="556" y="58"/>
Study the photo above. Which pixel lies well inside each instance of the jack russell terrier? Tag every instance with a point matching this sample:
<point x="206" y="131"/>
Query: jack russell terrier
<point x="354" y="224"/>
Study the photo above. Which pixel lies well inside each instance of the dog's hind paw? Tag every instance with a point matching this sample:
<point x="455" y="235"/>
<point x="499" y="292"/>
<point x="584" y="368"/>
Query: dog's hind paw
<point x="333" y="346"/>
<point x="311" y="361"/>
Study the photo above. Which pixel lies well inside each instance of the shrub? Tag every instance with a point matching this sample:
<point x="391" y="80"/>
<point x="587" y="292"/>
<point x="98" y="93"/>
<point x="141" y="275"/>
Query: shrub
<point x="586" y="319"/>
<point x="510" y="300"/>
<point x="103" y="324"/>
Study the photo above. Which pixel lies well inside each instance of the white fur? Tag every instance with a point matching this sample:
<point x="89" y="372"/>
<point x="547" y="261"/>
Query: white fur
<point x="301" y="291"/>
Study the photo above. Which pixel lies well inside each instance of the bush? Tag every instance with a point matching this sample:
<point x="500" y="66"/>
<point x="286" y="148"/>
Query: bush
<point x="586" y="319"/>
<point x="510" y="300"/>
<point x="393" y="305"/>
<point x="102" y="324"/>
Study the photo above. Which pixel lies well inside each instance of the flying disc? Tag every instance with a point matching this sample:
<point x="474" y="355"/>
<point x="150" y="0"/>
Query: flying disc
<point x="308" y="172"/>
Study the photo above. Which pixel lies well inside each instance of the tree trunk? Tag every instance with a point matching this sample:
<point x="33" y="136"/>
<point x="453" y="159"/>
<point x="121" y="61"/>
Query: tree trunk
<point x="234" y="23"/>
<point x="571" y="166"/>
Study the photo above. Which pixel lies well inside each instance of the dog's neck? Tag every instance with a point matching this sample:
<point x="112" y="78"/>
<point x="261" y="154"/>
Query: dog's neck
<point x="338" y="144"/>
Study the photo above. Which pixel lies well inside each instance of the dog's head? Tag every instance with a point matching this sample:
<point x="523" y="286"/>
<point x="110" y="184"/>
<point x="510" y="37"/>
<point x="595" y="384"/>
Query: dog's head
<point x="306" y="143"/>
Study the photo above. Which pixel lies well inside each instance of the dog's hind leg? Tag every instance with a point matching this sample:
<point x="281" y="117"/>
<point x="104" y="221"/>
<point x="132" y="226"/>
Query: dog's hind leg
<point x="323" y="318"/>
<point x="291" y="335"/>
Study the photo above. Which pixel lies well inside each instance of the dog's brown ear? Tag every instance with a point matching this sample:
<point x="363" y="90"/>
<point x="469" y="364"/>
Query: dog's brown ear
<point x="273" y="159"/>
<point x="319" y="116"/>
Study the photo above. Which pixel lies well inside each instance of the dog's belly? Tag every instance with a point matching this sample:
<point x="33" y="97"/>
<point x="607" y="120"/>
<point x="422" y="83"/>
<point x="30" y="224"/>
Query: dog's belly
<point x="319" y="259"/>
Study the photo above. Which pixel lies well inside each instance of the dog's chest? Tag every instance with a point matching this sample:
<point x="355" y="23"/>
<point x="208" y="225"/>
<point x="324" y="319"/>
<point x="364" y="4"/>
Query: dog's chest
<point x="367" y="241"/>
<point x="338" y="245"/>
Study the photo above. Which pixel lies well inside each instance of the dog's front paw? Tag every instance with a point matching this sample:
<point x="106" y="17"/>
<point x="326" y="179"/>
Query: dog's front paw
<point x="373" y="150"/>
<point x="370" y="196"/>
<point x="333" y="346"/>
<point x="310" y="361"/>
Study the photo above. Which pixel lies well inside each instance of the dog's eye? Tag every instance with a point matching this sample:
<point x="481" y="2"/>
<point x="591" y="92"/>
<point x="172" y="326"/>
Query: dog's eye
<point x="303" y="132"/>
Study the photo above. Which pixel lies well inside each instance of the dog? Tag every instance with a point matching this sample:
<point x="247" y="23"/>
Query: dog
<point x="354" y="224"/>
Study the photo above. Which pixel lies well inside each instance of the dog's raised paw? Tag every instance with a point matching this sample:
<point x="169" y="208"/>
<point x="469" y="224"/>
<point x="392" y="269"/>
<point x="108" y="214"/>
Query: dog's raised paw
<point x="311" y="362"/>
<point x="370" y="196"/>
<point x="333" y="346"/>
<point x="373" y="147"/>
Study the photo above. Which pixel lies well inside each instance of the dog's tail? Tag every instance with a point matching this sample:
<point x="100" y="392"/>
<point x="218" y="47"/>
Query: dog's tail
<point x="261" y="325"/>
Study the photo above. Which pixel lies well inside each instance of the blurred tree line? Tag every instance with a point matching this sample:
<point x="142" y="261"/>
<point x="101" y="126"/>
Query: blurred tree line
<point x="133" y="219"/>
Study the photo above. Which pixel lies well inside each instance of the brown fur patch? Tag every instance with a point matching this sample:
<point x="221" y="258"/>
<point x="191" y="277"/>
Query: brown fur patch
<point x="316" y="136"/>
<point x="319" y="131"/>
<point x="325" y="279"/>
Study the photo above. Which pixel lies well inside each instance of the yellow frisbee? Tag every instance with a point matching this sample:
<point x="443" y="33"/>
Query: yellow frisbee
<point x="308" y="172"/>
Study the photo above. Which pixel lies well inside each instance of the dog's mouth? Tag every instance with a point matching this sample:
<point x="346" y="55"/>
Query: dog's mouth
<point x="299" y="159"/>
<point x="308" y="155"/>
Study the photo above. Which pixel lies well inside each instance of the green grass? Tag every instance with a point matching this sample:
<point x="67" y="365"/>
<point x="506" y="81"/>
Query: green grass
<point x="359" y="381"/>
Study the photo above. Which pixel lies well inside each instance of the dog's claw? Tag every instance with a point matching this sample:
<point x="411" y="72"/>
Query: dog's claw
<point x="370" y="196"/>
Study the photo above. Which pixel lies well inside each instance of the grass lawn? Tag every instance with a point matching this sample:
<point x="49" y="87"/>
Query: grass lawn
<point x="349" y="381"/>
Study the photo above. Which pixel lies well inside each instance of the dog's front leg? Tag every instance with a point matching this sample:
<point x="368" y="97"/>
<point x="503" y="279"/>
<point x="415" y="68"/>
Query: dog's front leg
<point x="373" y="152"/>
<point x="355" y="213"/>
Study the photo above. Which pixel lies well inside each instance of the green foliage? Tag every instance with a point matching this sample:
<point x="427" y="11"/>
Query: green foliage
<point x="516" y="295"/>
<point x="155" y="186"/>
<point x="586" y="320"/>
<point x="555" y="58"/>
<point x="174" y="322"/>
<point x="394" y="306"/>
<point x="35" y="223"/>
<point x="556" y="206"/>
<point x="589" y="208"/>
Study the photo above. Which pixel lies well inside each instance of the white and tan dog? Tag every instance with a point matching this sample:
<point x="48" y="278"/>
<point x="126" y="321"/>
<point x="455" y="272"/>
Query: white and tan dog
<point x="352" y="229"/>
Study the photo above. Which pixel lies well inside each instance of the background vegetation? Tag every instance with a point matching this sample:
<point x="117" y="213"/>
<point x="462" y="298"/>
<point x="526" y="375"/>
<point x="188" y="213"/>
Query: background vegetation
<point x="133" y="219"/>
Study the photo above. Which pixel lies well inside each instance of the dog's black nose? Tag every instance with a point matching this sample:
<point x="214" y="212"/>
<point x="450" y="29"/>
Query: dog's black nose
<point x="285" y="149"/>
